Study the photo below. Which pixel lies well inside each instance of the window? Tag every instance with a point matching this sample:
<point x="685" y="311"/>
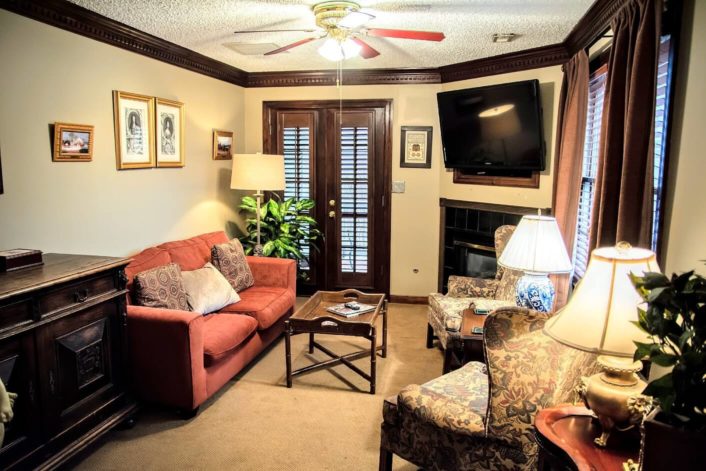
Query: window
<point x="297" y="151"/>
<point x="354" y="199"/>
<point x="597" y="85"/>
<point x="591" y="148"/>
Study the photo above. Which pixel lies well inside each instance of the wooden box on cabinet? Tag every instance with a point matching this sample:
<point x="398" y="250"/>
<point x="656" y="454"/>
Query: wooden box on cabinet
<point x="63" y="351"/>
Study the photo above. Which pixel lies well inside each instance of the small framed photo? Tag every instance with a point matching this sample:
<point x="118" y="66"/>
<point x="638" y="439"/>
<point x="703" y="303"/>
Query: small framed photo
<point x="416" y="147"/>
<point x="169" y="132"/>
<point x="72" y="142"/>
<point x="134" y="130"/>
<point x="222" y="145"/>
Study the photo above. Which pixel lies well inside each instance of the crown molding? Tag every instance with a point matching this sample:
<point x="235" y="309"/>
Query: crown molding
<point x="350" y="77"/>
<point x="545" y="56"/>
<point x="79" y="20"/>
<point x="592" y="24"/>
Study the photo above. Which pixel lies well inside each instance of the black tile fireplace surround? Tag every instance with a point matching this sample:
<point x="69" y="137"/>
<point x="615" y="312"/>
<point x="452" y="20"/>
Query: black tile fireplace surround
<point x="467" y="232"/>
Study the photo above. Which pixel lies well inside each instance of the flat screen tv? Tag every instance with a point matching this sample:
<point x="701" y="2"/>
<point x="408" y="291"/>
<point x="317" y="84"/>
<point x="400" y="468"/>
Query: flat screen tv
<point x="494" y="130"/>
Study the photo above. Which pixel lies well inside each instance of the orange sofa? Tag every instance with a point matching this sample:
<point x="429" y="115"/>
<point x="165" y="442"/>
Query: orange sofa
<point x="181" y="358"/>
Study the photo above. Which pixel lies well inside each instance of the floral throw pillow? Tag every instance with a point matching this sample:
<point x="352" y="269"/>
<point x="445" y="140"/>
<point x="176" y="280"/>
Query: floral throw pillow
<point x="230" y="260"/>
<point x="161" y="287"/>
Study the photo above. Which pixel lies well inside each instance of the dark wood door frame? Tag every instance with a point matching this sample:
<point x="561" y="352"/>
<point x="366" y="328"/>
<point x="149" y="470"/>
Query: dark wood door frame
<point x="380" y="242"/>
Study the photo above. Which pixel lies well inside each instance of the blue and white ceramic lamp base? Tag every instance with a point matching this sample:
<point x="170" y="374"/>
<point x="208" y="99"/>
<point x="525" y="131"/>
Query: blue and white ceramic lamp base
<point x="535" y="291"/>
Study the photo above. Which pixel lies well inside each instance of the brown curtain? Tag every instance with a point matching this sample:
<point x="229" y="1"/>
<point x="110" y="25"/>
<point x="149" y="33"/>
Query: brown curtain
<point x="571" y="132"/>
<point x="622" y="208"/>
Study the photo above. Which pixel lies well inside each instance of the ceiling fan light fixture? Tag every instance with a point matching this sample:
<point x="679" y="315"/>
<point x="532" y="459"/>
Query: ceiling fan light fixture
<point x="355" y="19"/>
<point x="335" y="50"/>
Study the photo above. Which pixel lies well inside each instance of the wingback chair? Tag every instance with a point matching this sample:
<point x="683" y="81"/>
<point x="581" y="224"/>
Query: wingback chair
<point x="446" y="311"/>
<point x="481" y="416"/>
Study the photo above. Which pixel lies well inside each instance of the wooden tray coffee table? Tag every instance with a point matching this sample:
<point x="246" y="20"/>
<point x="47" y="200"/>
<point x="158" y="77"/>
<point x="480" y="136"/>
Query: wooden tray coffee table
<point x="313" y="318"/>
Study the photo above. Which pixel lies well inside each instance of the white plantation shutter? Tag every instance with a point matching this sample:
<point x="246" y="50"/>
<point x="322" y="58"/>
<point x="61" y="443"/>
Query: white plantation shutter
<point x="596" y="95"/>
<point x="664" y="79"/>
<point x="354" y="200"/>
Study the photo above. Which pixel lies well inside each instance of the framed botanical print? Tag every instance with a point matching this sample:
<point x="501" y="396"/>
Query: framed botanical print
<point x="222" y="145"/>
<point x="134" y="130"/>
<point x="72" y="143"/>
<point x="416" y="147"/>
<point x="169" y="133"/>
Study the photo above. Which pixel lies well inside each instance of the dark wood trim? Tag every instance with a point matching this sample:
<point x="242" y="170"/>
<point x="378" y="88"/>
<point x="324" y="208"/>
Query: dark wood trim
<point x="592" y="24"/>
<point x="545" y="56"/>
<point x="402" y="299"/>
<point x="303" y="78"/>
<point x="520" y="182"/>
<point x="79" y="20"/>
<point x="497" y="208"/>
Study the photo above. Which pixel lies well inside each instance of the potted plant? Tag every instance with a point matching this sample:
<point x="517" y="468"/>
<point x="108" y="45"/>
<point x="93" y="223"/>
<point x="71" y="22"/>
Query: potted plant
<point x="285" y="228"/>
<point x="675" y="320"/>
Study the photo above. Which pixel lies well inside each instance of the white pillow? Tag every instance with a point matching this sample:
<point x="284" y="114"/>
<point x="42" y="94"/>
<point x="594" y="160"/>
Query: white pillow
<point x="207" y="290"/>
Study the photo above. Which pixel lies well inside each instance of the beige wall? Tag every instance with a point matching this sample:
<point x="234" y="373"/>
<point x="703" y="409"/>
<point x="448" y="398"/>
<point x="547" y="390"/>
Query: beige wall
<point x="550" y="87"/>
<point x="686" y="221"/>
<point x="415" y="213"/>
<point x="52" y="75"/>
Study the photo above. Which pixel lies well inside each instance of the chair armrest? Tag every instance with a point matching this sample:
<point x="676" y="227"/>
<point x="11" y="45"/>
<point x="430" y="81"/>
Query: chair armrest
<point x="274" y="272"/>
<point x="166" y="350"/>
<point x="467" y="287"/>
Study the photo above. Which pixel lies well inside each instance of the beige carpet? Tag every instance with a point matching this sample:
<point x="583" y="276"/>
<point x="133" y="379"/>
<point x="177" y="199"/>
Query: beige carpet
<point x="327" y="421"/>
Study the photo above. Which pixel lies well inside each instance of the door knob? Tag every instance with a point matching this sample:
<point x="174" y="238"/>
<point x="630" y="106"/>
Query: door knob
<point x="332" y="203"/>
<point x="332" y="214"/>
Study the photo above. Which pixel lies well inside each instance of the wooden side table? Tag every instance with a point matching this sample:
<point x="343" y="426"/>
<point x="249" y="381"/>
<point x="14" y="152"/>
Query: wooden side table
<point x="565" y="436"/>
<point x="469" y="345"/>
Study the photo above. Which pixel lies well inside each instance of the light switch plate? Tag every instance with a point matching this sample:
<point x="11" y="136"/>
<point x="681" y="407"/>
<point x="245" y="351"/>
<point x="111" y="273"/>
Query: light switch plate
<point x="398" y="186"/>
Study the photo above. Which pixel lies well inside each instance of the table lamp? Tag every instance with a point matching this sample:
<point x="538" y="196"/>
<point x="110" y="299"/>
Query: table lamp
<point x="536" y="248"/>
<point x="599" y="319"/>
<point x="258" y="172"/>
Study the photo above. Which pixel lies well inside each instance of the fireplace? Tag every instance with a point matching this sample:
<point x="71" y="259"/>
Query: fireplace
<point x="468" y="237"/>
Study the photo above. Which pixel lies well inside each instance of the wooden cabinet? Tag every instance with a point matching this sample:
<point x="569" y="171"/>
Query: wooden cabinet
<point x="63" y="351"/>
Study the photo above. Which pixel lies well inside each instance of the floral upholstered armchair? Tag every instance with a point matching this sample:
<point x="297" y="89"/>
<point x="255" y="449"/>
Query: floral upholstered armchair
<point x="446" y="311"/>
<point x="481" y="416"/>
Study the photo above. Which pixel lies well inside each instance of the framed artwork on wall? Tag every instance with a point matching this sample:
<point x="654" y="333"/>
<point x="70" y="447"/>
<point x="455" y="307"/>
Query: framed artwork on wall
<point x="134" y="130"/>
<point x="73" y="142"/>
<point x="169" y="133"/>
<point x="415" y="151"/>
<point x="222" y="145"/>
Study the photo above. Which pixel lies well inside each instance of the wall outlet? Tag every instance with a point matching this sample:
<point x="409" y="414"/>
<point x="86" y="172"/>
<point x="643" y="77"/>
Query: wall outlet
<point x="398" y="186"/>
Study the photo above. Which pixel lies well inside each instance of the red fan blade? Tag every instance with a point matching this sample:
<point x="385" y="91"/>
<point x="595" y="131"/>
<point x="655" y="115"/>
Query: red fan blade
<point x="366" y="52"/>
<point x="290" y="46"/>
<point x="406" y="34"/>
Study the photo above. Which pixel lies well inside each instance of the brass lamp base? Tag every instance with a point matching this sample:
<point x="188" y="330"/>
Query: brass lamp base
<point x="615" y="395"/>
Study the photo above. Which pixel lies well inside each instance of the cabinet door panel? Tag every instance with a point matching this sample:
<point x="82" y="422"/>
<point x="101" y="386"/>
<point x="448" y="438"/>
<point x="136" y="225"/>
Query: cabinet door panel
<point x="18" y="374"/>
<point x="83" y="364"/>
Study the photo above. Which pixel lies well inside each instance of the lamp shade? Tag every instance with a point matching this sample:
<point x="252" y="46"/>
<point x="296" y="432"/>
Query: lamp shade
<point x="257" y="172"/>
<point x="536" y="246"/>
<point x="598" y="316"/>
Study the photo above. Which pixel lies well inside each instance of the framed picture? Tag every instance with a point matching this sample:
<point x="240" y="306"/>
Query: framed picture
<point x="222" y="145"/>
<point x="169" y="133"/>
<point x="73" y="142"/>
<point x="416" y="147"/>
<point x="134" y="130"/>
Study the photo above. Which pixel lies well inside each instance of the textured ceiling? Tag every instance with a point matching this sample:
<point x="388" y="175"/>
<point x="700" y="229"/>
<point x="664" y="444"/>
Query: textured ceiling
<point x="205" y="26"/>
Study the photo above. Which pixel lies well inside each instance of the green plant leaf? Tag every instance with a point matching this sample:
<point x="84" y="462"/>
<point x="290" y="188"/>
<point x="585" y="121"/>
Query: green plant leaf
<point x="268" y="248"/>
<point x="307" y="219"/>
<point x="663" y="359"/>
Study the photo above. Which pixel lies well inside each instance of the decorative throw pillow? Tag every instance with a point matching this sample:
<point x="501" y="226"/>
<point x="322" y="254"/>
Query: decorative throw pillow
<point x="229" y="259"/>
<point x="161" y="287"/>
<point x="207" y="290"/>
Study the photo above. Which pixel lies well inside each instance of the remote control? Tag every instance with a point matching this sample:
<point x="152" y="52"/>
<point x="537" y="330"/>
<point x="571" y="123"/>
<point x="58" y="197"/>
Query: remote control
<point x="353" y="306"/>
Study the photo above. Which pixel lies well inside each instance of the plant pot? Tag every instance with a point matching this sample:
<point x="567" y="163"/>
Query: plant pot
<point x="665" y="446"/>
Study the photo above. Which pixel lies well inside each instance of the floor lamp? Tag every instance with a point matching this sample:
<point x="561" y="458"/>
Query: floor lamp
<point x="258" y="172"/>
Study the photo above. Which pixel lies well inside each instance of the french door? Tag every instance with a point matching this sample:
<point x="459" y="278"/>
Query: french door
<point x="339" y="154"/>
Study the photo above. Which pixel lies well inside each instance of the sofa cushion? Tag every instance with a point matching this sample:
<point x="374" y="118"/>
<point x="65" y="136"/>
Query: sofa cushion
<point x="229" y="258"/>
<point x="207" y="290"/>
<point x="265" y="304"/>
<point x="214" y="238"/>
<point x="161" y="287"/>
<point x="189" y="254"/>
<point x="148" y="258"/>
<point x="222" y="333"/>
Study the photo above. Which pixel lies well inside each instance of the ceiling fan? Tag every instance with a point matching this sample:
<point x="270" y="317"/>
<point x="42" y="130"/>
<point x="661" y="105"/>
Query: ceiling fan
<point x="341" y="23"/>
